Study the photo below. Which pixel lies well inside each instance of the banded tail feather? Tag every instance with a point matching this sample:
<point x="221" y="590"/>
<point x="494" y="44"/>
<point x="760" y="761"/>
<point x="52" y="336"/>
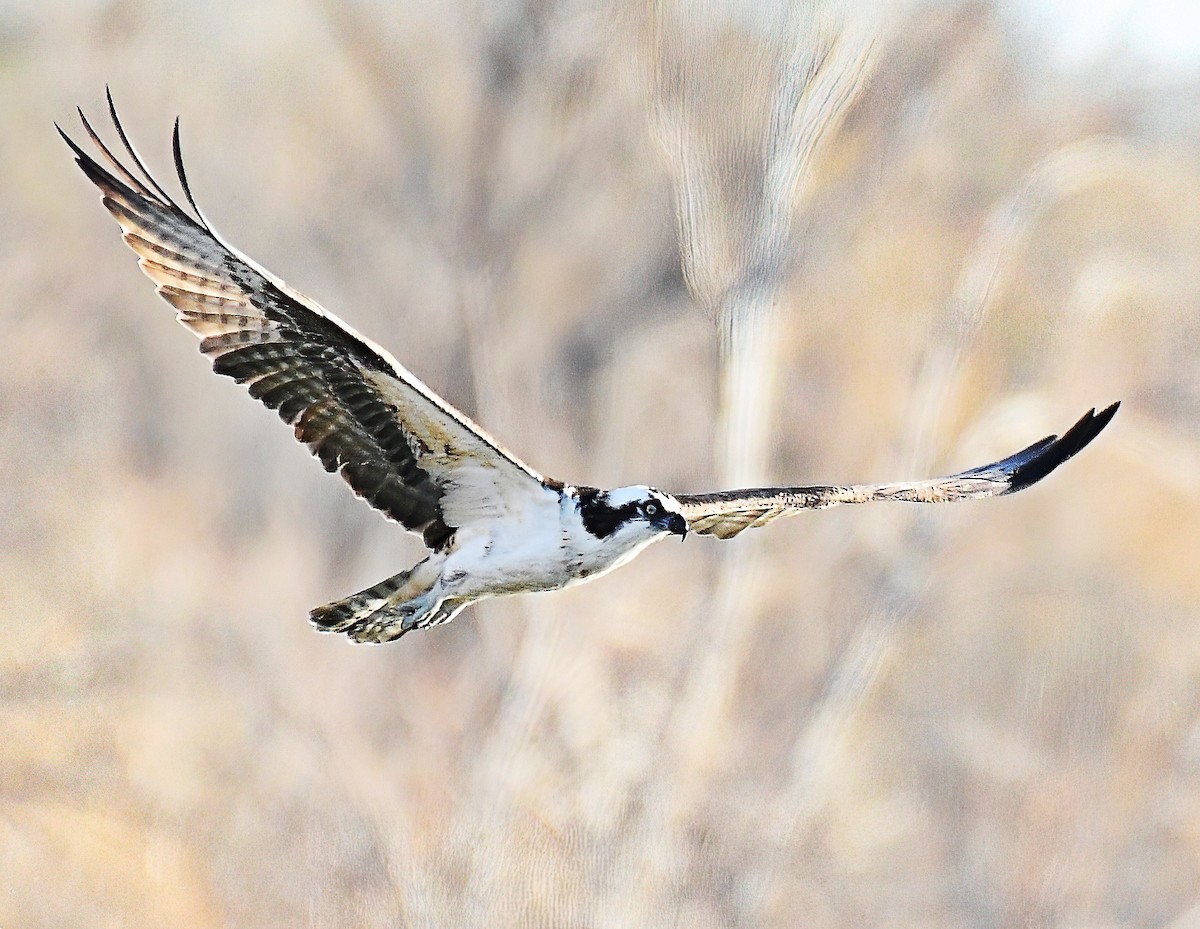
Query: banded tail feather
<point x="413" y="599"/>
<point x="369" y="613"/>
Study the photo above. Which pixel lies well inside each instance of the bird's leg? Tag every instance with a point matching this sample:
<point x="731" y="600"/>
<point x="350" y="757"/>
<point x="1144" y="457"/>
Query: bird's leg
<point x="445" y="610"/>
<point x="437" y="605"/>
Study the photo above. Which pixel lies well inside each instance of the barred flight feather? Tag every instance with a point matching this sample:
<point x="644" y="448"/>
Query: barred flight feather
<point x="293" y="355"/>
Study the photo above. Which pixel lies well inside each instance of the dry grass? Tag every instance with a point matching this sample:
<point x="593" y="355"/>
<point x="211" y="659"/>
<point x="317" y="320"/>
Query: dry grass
<point x="982" y="715"/>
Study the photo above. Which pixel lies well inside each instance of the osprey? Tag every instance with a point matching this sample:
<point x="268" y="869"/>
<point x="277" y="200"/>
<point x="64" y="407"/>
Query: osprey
<point x="493" y="525"/>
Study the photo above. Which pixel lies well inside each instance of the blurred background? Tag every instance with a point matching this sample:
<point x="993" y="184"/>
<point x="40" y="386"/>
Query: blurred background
<point x="680" y="244"/>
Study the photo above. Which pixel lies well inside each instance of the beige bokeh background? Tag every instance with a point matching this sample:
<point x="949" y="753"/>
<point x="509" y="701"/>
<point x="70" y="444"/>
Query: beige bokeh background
<point x="969" y="716"/>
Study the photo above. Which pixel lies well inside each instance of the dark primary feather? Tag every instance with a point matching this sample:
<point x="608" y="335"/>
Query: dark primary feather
<point x="726" y="513"/>
<point x="293" y="358"/>
<point x="1033" y="464"/>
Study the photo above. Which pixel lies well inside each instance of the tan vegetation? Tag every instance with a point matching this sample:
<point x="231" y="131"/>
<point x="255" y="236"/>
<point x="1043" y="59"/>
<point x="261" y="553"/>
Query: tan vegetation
<point x="976" y="715"/>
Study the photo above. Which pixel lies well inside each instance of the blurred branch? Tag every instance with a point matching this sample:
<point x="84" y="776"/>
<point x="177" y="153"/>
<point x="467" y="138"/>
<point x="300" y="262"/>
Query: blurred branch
<point x="1056" y="177"/>
<point x="736" y="253"/>
<point x="1009" y="744"/>
<point x="816" y="753"/>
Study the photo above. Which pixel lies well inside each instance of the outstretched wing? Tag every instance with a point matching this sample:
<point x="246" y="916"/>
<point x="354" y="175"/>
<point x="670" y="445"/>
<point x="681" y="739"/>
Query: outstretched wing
<point x="727" y="513"/>
<point x="398" y="445"/>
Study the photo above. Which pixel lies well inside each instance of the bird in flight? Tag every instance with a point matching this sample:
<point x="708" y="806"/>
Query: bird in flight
<point x="492" y="524"/>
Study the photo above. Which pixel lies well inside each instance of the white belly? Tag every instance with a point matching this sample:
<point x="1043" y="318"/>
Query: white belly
<point x="543" y="551"/>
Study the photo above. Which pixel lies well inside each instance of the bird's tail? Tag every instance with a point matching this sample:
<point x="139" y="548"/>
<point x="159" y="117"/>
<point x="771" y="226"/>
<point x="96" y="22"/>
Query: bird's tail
<point x="377" y="614"/>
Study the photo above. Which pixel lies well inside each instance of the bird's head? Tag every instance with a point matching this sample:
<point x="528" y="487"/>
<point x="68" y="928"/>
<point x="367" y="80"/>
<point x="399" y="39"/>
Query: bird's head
<point x="638" y="513"/>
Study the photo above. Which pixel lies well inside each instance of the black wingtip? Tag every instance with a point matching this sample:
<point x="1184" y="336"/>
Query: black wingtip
<point x="75" y="149"/>
<point x="177" y="151"/>
<point x="132" y="152"/>
<point x="1058" y="450"/>
<point x="71" y="143"/>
